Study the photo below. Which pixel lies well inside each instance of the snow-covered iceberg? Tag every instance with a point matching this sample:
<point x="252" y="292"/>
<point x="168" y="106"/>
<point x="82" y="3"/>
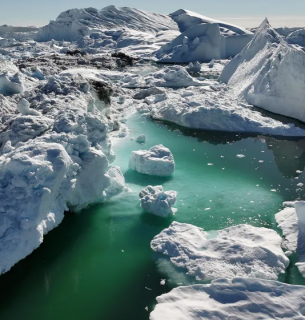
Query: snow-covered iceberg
<point x="54" y="156"/>
<point x="157" y="161"/>
<point x="158" y="202"/>
<point x="269" y="73"/>
<point x="239" y="251"/>
<point x="213" y="107"/>
<point x="203" y="39"/>
<point x="238" y="298"/>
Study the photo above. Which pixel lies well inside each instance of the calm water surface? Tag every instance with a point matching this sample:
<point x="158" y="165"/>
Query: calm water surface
<point x="98" y="263"/>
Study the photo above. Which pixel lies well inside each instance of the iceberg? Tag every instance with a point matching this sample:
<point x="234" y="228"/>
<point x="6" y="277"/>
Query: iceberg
<point x="54" y="156"/>
<point x="157" y="161"/>
<point x="269" y="73"/>
<point x="213" y="107"/>
<point x="239" y="251"/>
<point x="238" y="298"/>
<point x="203" y="39"/>
<point x="158" y="202"/>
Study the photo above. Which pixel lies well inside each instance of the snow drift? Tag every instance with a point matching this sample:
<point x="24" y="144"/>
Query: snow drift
<point x="269" y="73"/>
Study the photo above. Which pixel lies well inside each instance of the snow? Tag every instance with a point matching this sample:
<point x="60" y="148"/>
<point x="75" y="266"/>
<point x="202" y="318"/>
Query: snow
<point x="269" y="73"/>
<point x="238" y="298"/>
<point x="157" y="161"/>
<point x="158" y="202"/>
<point x="24" y="108"/>
<point x="242" y="251"/>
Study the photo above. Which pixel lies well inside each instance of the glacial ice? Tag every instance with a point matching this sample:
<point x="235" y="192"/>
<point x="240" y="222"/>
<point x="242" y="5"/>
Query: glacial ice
<point x="292" y="222"/>
<point x="203" y="39"/>
<point x="157" y="161"/>
<point x="268" y="73"/>
<point x="54" y="156"/>
<point x="238" y="298"/>
<point x="158" y="202"/>
<point x="212" y="107"/>
<point x="239" y="251"/>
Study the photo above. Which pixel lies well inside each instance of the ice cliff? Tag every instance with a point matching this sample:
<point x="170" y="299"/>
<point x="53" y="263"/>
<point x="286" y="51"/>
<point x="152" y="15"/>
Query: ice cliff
<point x="55" y="155"/>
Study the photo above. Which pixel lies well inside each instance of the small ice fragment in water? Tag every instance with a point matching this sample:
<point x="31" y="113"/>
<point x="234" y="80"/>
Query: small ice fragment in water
<point x="148" y="289"/>
<point x="273" y="190"/>
<point x="300" y="185"/>
<point x="146" y="308"/>
<point x="141" y="138"/>
<point x="162" y="282"/>
<point x="299" y="171"/>
<point x="210" y="164"/>
<point x="206" y="209"/>
<point x="261" y="161"/>
<point x="240" y="156"/>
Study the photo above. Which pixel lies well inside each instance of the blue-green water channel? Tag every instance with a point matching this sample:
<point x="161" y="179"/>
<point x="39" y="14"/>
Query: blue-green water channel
<point x="98" y="263"/>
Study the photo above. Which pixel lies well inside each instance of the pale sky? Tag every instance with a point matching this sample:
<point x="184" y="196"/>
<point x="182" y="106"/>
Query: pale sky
<point x="247" y="13"/>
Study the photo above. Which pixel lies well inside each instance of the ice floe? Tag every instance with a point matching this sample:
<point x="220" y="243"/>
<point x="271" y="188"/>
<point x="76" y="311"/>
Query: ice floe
<point x="239" y="251"/>
<point x="158" y="202"/>
<point x="238" y="298"/>
<point x="157" y="161"/>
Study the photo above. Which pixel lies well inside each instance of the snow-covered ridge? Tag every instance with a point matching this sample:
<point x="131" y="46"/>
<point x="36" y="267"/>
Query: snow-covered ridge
<point x="187" y="19"/>
<point x="75" y="23"/>
<point x="203" y="39"/>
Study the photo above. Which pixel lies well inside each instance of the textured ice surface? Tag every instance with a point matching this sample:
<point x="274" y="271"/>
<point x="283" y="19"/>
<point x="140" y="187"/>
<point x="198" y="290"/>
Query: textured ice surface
<point x="174" y="76"/>
<point x="202" y="39"/>
<point x="238" y="298"/>
<point x="292" y="222"/>
<point x="157" y="161"/>
<point x="240" y="251"/>
<point x="213" y="107"/>
<point x="54" y="156"/>
<point x="269" y="73"/>
<point x="158" y="202"/>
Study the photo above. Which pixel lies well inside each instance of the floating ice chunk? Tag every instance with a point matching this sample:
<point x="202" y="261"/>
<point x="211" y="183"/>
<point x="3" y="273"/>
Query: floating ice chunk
<point x="158" y="202"/>
<point x="24" y="108"/>
<point x="162" y="282"/>
<point x="117" y="181"/>
<point x="242" y="251"/>
<point x="240" y="156"/>
<point x="238" y="298"/>
<point x="141" y="138"/>
<point x="158" y="161"/>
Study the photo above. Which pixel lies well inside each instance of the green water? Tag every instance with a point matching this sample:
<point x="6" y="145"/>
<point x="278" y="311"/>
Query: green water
<point x="98" y="263"/>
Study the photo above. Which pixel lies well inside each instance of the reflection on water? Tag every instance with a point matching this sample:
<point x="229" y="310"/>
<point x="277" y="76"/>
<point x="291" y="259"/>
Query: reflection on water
<point x="289" y="156"/>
